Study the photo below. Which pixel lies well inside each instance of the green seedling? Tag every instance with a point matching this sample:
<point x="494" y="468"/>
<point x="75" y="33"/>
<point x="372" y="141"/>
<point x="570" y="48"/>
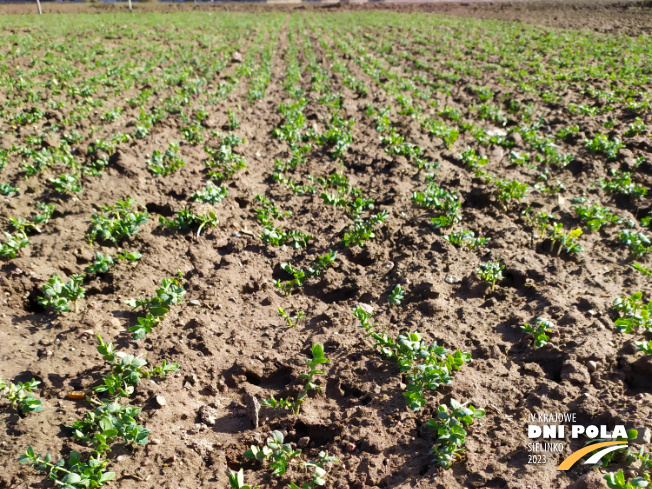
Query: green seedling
<point x="71" y="473"/>
<point x="126" y="371"/>
<point x="212" y="194"/>
<point x="640" y="244"/>
<point x="117" y="222"/>
<point x="565" y="241"/>
<point x="318" y="472"/>
<point x="471" y="159"/>
<point x="101" y="264"/>
<point x="602" y="144"/>
<point x="170" y="292"/>
<point x="236" y="479"/>
<point x="318" y="358"/>
<point x="396" y="296"/>
<point x="129" y="256"/>
<point x="58" y="295"/>
<point x="45" y="214"/>
<point x="443" y="201"/>
<point x="634" y="314"/>
<point x="635" y="128"/>
<point x="20" y="395"/>
<point x="509" y="190"/>
<point x="279" y="454"/>
<point x="644" y="346"/>
<point x="291" y="321"/>
<point x="8" y="190"/>
<point x="187" y="219"/>
<point x="622" y="183"/>
<point x="66" y="184"/>
<point x="13" y="244"/>
<point x="491" y="273"/>
<point x="107" y="423"/>
<point x="538" y="331"/>
<point x="425" y="367"/>
<point x="466" y="239"/>
<point x="164" y="164"/>
<point x="595" y="216"/>
<point x="278" y="237"/>
<point x="450" y="427"/>
<point x="644" y="270"/>
<point x="364" y="229"/>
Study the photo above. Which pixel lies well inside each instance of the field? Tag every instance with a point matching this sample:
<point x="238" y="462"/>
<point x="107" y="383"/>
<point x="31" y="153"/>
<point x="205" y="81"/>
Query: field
<point x="320" y="225"/>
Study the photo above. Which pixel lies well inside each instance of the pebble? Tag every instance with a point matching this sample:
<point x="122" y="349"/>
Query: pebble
<point x="155" y="441"/>
<point x="452" y="279"/>
<point x="160" y="400"/>
<point x="366" y="307"/>
<point x="592" y="366"/>
<point x="195" y="302"/>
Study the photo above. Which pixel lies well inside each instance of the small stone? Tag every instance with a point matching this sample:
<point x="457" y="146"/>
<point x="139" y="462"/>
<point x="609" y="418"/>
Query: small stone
<point x="253" y="409"/>
<point x="160" y="400"/>
<point x="208" y="415"/>
<point x="155" y="441"/>
<point x="644" y="436"/>
<point x="194" y="302"/>
<point x="303" y="442"/>
<point x="87" y="332"/>
<point x="452" y="279"/>
<point x="366" y="308"/>
<point x="236" y="57"/>
<point x="592" y="366"/>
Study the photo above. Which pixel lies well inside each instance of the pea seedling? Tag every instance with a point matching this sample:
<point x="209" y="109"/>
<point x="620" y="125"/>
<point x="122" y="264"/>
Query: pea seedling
<point x="318" y="358"/>
<point x="451" y="433"/>
<point x="291" y="321"/>
<point x="491" y="273"/>
<point x="57" y="294"/>
<point x="20" y="395"/>
<point x="538" y="331"/>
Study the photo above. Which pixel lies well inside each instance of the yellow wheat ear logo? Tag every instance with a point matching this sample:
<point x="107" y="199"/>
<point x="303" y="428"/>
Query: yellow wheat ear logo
<point x="607" y="446"/>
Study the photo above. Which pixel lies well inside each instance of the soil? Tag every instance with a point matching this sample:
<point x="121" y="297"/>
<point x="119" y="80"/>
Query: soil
<point x="232" y="345"/>
<point x="631" y="17"/>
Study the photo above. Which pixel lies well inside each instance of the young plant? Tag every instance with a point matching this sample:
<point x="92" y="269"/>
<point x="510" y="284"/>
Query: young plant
<point x="58" y="295"/>
<point x="126" y="371"/>
<point x="396" y="296"/>
<point x="491" y="273"/>
<point x="117" y="222"/>
<point x="236" y="479"/>
<point x="318" y="358"/>
<point x="108" y="422"/>
<point x="20" y="395"/>
<point x="187" y="219"/>
<point x="595" y="216"/>
<point x="425" y="367"/>
<point x="602" y="144"/>
<point x="164" y="164"/>
<point x="8" y="190"/>
<point x="279" y="454"/>
<point x="539" y="330"/>
<point x="634" y="314"/>
<point x="66" y="184"/>
<point x="14" y="243"/>
<point x="623" y="184"/>
<point x="212" y="194"/>
<point x="466" y="239"/>
<point x="71" y="473"/>
<point x="364" y="229"/>
<point x="445" y="202"/>
<point x="639" y="244"/>
<point x="170" y="292"/>
<point x="450" y="427"/>
<point x="565" y="241"/>
<point x="509" y="190"/>
<point x="291" y="321"/>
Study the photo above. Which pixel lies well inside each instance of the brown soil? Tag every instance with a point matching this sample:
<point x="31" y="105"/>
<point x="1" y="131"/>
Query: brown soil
<point x="633" y="18"/>
<point x="230" y="342"/>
